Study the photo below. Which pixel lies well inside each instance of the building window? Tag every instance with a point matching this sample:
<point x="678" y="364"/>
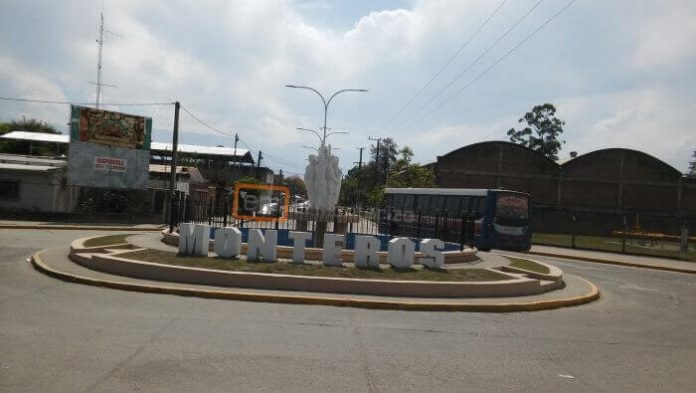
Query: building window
<point x="9" y="189"/>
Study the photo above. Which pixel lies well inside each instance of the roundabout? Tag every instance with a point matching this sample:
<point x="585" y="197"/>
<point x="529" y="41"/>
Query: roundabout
<point x="470" y="281"/>
<point x="636" y="337"/>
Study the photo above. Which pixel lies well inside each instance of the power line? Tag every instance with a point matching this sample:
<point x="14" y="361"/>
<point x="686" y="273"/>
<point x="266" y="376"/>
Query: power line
<point x="206" y="124"/>
<point x="508" y="53"/>
<point x="288" y="163"/>
<point x="16" y="99"/>
<point x="247" y="146"/>
<point x="442" y="69"/>
<point x="476" y="60"/>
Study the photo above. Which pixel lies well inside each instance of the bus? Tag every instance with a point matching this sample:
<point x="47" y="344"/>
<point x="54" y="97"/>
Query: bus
<point x="485" y="218"/>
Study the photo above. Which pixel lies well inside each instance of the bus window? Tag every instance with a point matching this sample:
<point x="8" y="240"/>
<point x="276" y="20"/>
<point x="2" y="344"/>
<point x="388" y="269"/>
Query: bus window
<point x="388" y="201"/>
<point x="398" y="201"/>
<point x="512" y="209"/>
<point x="423" y="203"/>
<point x="452" y="205"/>
<point x="409" y="201"/>
<point x="478" y="206"/>
<point x="437" y="204"/>
<point x="465" y="204"/>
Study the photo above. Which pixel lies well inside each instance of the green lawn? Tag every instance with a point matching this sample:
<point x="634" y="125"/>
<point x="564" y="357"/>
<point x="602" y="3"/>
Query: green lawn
<point x="107" y="240"/>
<point x="307" y="269"/>
<point x="608" y="243"/>
<point x="528" y="265"/>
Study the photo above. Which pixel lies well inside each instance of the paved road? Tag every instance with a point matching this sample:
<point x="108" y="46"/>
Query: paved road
<point x="61" y="337"/>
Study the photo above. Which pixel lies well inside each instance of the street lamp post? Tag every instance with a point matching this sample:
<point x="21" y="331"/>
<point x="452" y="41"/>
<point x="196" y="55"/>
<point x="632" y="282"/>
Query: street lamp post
<point x="323" y="175"/>
<point x="322" y="141"/>
<point x="326" y="103"/>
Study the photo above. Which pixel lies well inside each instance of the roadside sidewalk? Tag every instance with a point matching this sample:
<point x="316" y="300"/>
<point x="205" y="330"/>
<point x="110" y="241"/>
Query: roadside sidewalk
<point x="20" y="224"/>
<point x="641" y="261"/>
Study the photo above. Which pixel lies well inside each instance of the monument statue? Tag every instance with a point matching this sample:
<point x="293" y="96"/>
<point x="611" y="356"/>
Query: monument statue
<point x="323" y="179"/>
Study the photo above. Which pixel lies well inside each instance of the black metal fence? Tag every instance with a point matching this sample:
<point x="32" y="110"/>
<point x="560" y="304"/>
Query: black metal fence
<point x="455" y="228"/>
<point x="661" y="235"/>
<point x="218" y="212"/>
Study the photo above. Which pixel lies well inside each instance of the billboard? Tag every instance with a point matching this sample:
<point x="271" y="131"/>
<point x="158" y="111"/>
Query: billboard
<point x="108" y="149"/>
<point x="109" y="128"/>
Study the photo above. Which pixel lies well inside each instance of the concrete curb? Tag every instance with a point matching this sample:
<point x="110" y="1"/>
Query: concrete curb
<point x="607" y="262"/>
<point x="592" y="295"/>
<point x="555" y="274"/>
<point x="80" y="228"/>
<point x="514" y="286"/>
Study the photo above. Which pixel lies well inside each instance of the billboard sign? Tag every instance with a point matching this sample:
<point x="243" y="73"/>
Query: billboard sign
<point x="108" y="149"/>
<point x="110" y="128"/>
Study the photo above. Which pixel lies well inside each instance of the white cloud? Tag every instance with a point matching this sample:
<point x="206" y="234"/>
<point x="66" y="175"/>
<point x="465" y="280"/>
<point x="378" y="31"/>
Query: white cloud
<point x="650" y="120"/>
<point x="20" y="81"/>
<point x="667" y="36"/>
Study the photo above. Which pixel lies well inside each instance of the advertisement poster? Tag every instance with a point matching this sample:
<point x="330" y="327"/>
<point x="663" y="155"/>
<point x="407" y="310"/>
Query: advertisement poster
<point x="110" y="128"/>
<point x="108" y="149"/>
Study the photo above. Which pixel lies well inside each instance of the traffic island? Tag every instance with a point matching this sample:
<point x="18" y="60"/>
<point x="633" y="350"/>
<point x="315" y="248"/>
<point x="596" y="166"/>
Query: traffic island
<point x="111" y="266"/>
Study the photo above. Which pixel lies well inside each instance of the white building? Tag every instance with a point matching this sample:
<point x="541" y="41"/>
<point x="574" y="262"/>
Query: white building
<point x="34" y="184"/>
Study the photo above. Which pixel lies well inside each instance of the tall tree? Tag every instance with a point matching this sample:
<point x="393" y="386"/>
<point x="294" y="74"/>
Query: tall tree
<point x="31" y="125"/>
<point x="542" y="132"/>
<point x="296" y="185"/>
<point x="692" y="166"/>
<point x="408" y="174"/>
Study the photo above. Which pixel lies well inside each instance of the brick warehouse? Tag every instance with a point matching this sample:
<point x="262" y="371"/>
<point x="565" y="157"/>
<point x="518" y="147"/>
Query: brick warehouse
<point x="592" y="193"/>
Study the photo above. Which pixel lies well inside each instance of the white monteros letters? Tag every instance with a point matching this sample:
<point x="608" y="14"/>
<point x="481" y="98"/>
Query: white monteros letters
<point x="299" y="241"/>
<point x="261" y="246"/>
<point x="433" y="257"/>
<point x="194" y="239"/>
<point x="228" y="242"/>
<point x="401" y="253"/>
<point x="366" y="248"/>
<point x="333" y="244"/>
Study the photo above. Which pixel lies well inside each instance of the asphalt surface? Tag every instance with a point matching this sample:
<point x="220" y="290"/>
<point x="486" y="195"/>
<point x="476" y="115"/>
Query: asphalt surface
<point x="63" y="337"/>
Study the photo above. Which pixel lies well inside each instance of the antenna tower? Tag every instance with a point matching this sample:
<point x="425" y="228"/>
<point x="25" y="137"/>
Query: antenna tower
<point x="100" y="41"/>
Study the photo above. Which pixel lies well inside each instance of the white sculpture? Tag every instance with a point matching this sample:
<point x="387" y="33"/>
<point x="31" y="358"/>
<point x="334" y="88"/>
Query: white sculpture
<point x="323" y="179"/>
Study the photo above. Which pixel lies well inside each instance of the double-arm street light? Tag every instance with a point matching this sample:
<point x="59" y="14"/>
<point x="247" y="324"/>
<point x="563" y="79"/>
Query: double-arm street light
<point x="322" y="141"/>
<point x="317" y="150"/>
<point x="326" y="105"/>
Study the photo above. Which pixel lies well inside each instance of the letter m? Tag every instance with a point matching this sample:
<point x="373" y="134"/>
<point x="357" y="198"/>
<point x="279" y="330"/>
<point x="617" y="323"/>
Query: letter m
<point x="194" y="239"/>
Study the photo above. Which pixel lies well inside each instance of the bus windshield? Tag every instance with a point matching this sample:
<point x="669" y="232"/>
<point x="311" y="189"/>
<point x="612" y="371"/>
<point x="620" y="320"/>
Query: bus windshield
<point x="512" y="209"/>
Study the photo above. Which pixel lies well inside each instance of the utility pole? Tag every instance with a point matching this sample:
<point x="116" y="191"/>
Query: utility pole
<point x="360" y="160"/>
<point x="258" y="164"/>
<point x="172" y="182"/>
<point x="377" y="175"/>
<point x="236" y="159"/>
<point x="358" y="191"/>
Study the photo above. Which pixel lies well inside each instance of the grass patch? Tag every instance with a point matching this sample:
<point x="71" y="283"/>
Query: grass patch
<point x="307" y="269"/>
<point x="107" y="240"/>
<point x="663" y="249"/>
<point x="528" y="265"/>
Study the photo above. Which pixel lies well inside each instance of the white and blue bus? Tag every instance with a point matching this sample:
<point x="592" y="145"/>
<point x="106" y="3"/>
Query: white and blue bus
<point x="483" y="217"/>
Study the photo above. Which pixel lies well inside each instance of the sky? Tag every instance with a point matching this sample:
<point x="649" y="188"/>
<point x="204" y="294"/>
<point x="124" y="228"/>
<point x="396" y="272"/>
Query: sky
<point x="440" y="74"/>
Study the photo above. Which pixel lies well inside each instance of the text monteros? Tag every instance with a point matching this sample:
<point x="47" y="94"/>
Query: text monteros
<point x="401" y="253"/>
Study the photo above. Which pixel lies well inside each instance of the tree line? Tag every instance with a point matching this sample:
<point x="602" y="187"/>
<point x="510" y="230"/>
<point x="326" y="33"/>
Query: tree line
<point x="25" y="147"/>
